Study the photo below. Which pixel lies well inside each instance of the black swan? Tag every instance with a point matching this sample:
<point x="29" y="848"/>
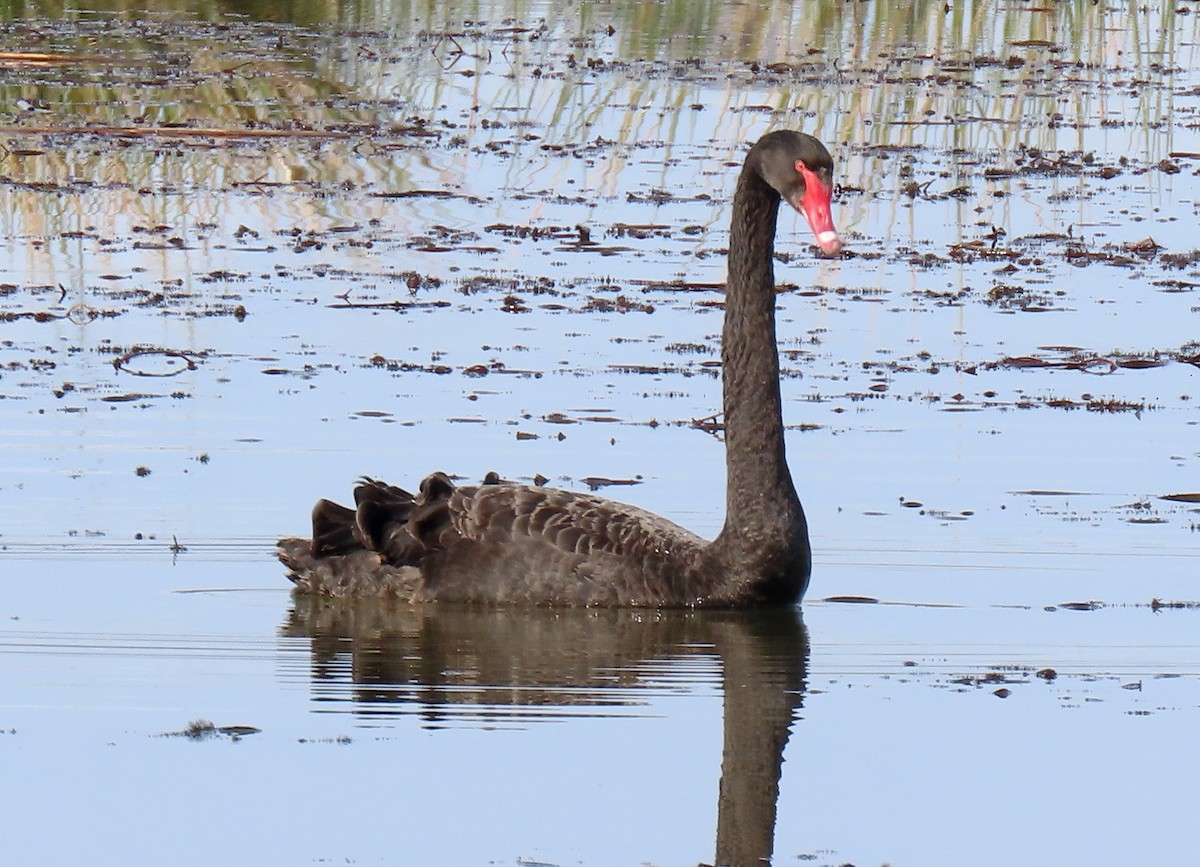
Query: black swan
<point x="507" y="543"/>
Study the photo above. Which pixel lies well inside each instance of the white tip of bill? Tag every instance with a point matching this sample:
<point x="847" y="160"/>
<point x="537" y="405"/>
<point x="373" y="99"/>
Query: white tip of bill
<point x="830" y="243"/>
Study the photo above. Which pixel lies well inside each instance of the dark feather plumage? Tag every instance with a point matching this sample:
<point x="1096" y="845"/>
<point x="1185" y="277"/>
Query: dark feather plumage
<point x="467" y="543"/>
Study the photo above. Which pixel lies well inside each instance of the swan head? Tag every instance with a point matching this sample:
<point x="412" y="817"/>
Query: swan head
<point x="800" y="169"/>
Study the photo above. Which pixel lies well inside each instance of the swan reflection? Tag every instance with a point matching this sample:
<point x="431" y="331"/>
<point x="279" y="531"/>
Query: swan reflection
<point x="454" y="666"/>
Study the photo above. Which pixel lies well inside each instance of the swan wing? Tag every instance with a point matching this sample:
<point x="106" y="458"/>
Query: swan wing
<point x="525" y="543"/>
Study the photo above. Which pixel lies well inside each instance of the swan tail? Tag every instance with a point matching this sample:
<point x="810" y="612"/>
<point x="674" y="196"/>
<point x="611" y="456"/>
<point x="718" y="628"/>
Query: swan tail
<point x="333" y="529"/>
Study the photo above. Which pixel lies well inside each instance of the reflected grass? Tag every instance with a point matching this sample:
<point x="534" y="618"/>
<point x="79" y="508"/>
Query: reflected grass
<point x="153" y="116"/>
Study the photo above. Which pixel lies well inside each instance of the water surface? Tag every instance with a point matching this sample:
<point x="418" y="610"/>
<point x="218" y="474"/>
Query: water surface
<point x="253" y="256"/>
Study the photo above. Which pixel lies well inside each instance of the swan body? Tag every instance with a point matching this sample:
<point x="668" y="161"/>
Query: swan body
<point x="504" y="543"/>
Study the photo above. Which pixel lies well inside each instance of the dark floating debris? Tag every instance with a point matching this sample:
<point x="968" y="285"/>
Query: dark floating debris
<point x="427" y="194"/>
<point x="620" y="304"/>
<point x="595" y="483"/>
<point x="1181" y="498"/>
<point x="202" y="730"/>
<point x="1157" y="605"/>
<point x="852" y="600"/>
<point x="988" y="679"/>
<point x="1081" y="606"/>
<point x="399" y="306"/>
<point x="340" y="740"/>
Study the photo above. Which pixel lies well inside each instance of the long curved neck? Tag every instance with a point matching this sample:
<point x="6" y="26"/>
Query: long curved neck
<point x="764" y="530"/>
<point x="758" y="475"/>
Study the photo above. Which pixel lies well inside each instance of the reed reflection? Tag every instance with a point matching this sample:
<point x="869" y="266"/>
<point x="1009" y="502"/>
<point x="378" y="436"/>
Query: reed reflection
<point x="477" y="666"/>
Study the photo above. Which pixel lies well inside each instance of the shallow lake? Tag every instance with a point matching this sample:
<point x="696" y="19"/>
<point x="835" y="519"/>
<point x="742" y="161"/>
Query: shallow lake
<point x="252" y="256"/>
